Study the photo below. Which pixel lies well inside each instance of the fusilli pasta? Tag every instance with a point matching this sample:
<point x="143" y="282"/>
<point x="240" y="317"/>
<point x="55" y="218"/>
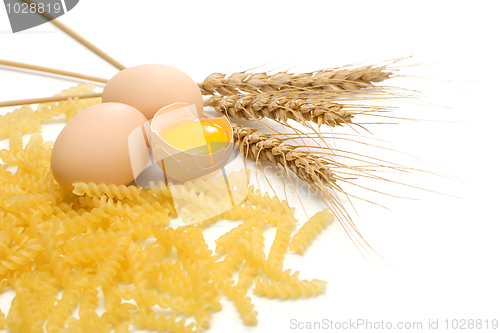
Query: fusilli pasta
<point x="310" y="229"/>
<point x="243" y="303"/>
<point x="286" y="290"/>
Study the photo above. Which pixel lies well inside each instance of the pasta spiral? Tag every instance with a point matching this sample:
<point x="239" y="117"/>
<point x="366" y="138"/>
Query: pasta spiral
<point x="247" y="274"/>
<point x="287" y="290"/>
<point x="256" y="197"/>
<point x="110" y="190"/>
<point x="203" y="293"/>
<point x="228" y="240"/>
<point x="39" y="281"/>
<point x="62" y="310"/>
<point x="123" y="327"/>
<point x="33" y="319"/>
<point x="164" y="300"/>
<point x="23" y="119"/>
<point x="15" y="140"/>
<point x="154" y="256"/>
<point x="280" y="244"/>
<point x="310" y="229"/>
<point x="88" y="302"/>
<point x="5" y="240"/>
<point x="243" y="303"/>
<point x="14" y="320"/>
<point x="257" y="258"/>
<point x="109" y="268"/>
<point x="228" y="265"/>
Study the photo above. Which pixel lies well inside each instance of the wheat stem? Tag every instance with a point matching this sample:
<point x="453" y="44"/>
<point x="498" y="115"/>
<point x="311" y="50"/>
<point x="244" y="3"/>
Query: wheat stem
<point x="79" y="38"/>
<point x="47" y="99"/>
<point x="52" y="71"/>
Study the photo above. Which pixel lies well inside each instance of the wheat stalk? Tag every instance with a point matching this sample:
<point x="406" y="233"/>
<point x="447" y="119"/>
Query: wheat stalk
<point x="306" y="165"/>
<point x="282" y="107"/>
<point x="311" y="163"/>
<point x="333" y="80"/>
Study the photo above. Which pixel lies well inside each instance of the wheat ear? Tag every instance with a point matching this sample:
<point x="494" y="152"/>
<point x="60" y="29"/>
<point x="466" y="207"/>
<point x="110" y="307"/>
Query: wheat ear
<point x="336" y="80"/>
<point x="308" y="166"/>
<point x="284" y="106"/>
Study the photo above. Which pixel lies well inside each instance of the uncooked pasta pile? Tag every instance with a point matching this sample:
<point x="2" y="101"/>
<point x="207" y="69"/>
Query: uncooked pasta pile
<point x="60" y="249"/>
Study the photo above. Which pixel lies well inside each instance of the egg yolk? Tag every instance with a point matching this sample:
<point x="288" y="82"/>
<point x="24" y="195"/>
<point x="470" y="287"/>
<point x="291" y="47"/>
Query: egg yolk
<point x="198" y="137"/>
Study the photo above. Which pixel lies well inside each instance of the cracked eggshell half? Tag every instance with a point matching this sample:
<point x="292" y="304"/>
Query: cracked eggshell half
<point x="183" y="165"/>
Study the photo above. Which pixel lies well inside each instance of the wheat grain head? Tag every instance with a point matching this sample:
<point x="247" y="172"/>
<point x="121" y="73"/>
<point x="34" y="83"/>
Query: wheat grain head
<point x="332" y="80"/>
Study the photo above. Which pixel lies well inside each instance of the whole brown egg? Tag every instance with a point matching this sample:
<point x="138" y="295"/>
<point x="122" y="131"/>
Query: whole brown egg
<point x="150" y="87"/>
<point x="95" y="146"/>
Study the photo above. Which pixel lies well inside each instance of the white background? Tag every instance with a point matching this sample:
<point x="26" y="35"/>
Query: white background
<point x="444" y="250"/>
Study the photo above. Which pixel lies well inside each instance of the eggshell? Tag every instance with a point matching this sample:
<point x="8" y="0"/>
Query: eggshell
<point x="181" y="165"/>
<point x="150" y="87"/>
<point x="94" y="146"/>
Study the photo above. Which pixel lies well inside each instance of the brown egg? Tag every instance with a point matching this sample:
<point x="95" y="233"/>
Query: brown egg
<point x="150" y="87"/>
<point x="95" y="146"/>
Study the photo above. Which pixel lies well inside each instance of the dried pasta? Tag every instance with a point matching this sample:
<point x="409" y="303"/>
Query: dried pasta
<point x="227" y="266"/>
<point x="204" y="201"/>
<point x="203" y="293"/>
<point x="280" y="244"/>
<point x="256" y="197"/>
<point x="26" y="120"/>
<point x="230" y="238"/>
<point x="15" y="141"/>
<point x="110" y="190"/>
<point x="287" y="290"/>
<point x="88" y="302"/>
<point x="310" y="229"/>
<point x="97" y="238"/>
<point x="23" y="119"/>
<point x="243" y="303"/>
<point x="33" y="318"/>
<point x="14" y="320"/>
<point x="247" y="274"/>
